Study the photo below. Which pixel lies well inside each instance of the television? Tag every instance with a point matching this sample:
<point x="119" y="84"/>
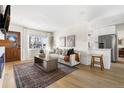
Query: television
<point x="5" y="19"/>
<point x="1" y="21"/>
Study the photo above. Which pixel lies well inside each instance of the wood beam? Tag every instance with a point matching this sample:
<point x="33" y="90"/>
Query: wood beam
<point x="5" y="43"/>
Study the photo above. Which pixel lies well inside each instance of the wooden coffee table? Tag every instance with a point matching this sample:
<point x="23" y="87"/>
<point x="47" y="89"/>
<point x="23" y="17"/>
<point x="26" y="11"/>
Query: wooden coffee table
<point x="47" y="63"/>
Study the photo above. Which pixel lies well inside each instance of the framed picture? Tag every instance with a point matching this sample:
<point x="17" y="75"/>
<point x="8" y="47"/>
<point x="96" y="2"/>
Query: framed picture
<point x="62" y="41"/>
<point x="71" y="41"/>
<point x="36" y="41"/>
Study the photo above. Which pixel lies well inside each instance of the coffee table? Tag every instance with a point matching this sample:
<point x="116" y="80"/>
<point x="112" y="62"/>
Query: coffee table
<point x="47" y="63"/>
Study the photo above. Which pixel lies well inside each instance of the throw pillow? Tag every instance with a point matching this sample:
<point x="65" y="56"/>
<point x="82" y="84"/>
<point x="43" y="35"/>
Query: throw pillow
<point x="66" y="58"/>
<point x="64" y="52"/>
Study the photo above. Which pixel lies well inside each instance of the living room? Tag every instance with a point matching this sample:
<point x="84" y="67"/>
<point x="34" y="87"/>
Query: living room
<point x="58" y="30"/>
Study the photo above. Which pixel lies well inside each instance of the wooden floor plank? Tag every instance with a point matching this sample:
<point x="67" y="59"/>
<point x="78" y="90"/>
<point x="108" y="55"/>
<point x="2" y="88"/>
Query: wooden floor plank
<point x="84" y="77"/>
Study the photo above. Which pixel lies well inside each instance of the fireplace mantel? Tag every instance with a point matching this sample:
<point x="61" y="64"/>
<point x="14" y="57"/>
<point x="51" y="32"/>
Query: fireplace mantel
<point x="5" y="43"/>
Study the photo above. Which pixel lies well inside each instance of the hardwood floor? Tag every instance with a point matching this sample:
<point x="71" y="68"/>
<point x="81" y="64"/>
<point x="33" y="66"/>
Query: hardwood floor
<point x="84" y="77"/>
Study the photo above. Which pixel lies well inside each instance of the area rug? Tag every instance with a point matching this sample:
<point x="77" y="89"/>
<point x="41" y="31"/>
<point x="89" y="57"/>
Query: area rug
<point x="27" y="75"/>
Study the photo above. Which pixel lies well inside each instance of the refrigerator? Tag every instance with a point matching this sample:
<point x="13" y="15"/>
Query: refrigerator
<point x="109" y="42"/>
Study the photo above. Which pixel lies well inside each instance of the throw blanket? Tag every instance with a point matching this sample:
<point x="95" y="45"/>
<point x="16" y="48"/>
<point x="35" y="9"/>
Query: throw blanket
<point x="77" y="57"/>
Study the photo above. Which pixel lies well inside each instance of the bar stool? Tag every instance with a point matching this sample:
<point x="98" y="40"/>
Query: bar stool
<point x="100" y="62"/>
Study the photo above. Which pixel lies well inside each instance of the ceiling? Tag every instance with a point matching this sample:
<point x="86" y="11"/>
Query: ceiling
<point x="54" y="17"/>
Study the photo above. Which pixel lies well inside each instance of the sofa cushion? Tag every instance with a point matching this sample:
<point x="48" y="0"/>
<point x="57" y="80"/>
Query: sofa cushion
<point x="64" y="52"/>
<point x="60" y="51"/>
<point x="54" y="55"/>
<point x="61" y="56"/>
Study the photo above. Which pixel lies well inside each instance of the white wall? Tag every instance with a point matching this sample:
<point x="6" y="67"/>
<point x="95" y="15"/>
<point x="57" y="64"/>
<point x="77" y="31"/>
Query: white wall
<point x="120" y="35"/>
<point x="93" y="39"/>
<point x="108" y="20"/>
<point x="26" y="53"/>
<point x="106" y="25"/>
<point x="80" y="31"/>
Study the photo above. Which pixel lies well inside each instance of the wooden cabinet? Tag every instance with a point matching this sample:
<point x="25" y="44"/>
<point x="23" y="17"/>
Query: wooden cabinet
<point x="12" y="53"/>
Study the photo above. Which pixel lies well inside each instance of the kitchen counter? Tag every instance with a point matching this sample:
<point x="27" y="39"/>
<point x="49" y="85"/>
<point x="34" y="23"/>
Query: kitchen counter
<point x="106" y="56"/>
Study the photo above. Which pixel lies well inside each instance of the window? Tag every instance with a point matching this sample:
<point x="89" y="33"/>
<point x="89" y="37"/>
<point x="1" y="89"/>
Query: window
<point x="36" y="41"/>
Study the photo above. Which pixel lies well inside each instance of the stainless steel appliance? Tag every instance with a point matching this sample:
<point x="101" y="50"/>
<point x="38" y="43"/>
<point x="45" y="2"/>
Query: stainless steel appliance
<point x="109" y="42"/>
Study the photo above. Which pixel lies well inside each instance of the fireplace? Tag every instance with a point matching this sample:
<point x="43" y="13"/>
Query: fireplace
<point x="2" y="60"/>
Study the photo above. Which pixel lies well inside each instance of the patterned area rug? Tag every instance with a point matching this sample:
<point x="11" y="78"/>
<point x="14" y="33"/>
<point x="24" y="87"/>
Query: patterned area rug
<point x="28" y="75"/>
